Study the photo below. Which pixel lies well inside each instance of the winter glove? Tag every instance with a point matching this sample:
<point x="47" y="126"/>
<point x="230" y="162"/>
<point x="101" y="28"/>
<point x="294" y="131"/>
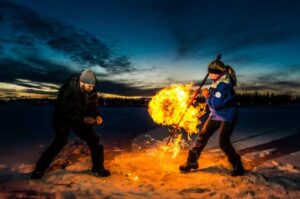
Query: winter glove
<point x="205" y="93"/>
<point x="89" y="120"/>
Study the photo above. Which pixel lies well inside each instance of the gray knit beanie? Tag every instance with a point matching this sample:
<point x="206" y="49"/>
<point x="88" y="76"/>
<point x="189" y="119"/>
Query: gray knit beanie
<point x="88" y="77"/>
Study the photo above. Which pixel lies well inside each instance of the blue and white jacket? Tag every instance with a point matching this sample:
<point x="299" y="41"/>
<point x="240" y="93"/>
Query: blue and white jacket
<point x="222" y="101"/>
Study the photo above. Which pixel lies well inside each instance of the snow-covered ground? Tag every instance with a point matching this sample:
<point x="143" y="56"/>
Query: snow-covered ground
<point x="266" y="137"/>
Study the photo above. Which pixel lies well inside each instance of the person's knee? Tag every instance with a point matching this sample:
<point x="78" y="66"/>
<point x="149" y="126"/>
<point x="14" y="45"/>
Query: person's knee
<point x="203" y="136"/>
<point x="224" y="144"/>
<point x="201" y="141"/>
<point x="93" y="140"/>
<point x="96" y="139"/>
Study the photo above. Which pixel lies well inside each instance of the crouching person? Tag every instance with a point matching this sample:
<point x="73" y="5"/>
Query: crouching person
<point x="76" y="110"/>
<point x="221" y="101"/>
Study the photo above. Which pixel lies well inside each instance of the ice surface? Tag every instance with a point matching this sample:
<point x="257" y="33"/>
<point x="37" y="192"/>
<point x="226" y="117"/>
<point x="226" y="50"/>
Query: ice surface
<point x="267" y="138"/>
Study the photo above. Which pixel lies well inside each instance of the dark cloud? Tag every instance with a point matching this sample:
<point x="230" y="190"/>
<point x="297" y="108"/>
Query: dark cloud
<point x="27" y="28"/>
<point x="199" y="28"/>
<point x="30" y="69"/>
<point x="279" y="76"/>
<point x="274" y="81"/>
<point x="120" y="64"/>
<point x="12" y="70"/>
<point x="124" y="89"/>
<point x="209" y="27"/>
<point x="251" y="87"/>
<point x="25" y="31"/>
<point x="289" y="84"/>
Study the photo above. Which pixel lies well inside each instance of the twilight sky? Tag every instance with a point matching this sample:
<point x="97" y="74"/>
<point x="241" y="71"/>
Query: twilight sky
<point x="137" y="46"/>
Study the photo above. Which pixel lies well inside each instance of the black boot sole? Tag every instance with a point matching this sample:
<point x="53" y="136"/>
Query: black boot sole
<point x="188" y="169"/>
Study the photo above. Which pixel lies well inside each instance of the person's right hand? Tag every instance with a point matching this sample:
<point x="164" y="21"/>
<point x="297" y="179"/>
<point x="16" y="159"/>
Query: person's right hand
<point x="99" y="120"/>
<point x="205" y="93"/>
<point x="89" y="120"/>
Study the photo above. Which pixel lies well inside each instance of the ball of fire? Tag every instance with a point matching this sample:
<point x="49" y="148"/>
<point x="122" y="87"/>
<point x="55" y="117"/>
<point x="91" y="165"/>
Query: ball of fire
<point x="169" y="105"/>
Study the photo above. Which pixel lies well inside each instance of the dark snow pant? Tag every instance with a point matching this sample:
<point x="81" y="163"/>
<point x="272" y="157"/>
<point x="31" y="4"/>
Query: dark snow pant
<point x="62" y="131"/>
<point x="226" y="130"/>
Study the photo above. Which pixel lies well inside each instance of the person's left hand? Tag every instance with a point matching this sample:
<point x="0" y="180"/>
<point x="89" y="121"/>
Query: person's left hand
<point x="99" y="120"/>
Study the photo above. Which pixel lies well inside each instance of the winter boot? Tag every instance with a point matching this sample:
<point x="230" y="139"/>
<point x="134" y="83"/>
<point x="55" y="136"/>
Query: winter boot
<point x="237" y="170"/>
<point x="99" y="170"/>
<point x="102" y="172"/>
<point x="191" y="163"/>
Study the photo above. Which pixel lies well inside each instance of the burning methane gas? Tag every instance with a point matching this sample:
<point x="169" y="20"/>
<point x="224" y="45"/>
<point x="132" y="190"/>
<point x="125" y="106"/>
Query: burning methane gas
<point x="169" y="104"/>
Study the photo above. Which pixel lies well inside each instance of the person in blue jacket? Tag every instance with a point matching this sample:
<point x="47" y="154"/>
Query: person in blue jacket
<point x="221" y="100"/>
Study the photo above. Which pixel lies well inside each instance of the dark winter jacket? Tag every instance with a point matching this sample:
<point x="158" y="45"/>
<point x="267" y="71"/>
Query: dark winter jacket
<point x="222" y="101"/>
<point x="73" y="104"/>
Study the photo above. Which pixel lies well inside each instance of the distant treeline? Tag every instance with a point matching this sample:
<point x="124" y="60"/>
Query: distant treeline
<point x="102" y="101"/>
<point x="244" y="99"/>
<point x="255" y="98"/>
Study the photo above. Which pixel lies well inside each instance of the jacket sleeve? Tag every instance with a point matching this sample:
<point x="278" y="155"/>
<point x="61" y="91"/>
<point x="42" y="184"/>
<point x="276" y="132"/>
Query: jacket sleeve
<point x="222" y="98"/>
<point x="69" y="107"/>
<point x="93" y="105"/>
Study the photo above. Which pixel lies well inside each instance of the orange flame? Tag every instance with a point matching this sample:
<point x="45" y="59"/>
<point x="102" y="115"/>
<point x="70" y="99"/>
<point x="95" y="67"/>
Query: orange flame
<point x="168" y="106"/>
<point x="174" y="147"/>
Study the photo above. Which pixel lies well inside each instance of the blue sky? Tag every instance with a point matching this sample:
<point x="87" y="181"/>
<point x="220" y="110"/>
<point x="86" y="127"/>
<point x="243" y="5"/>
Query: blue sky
<point x="138" y="46"/>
